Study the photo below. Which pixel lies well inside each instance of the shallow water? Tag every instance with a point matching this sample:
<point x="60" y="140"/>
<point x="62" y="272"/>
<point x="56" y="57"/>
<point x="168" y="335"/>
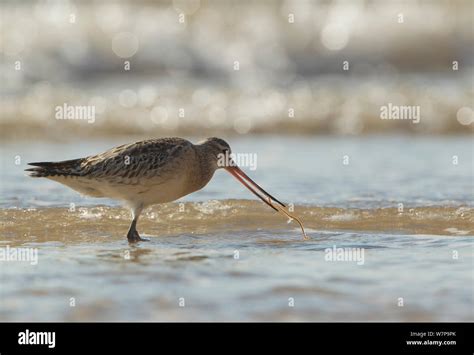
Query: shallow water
<point x="234" y="259"/>
<point x="380" y="171"/>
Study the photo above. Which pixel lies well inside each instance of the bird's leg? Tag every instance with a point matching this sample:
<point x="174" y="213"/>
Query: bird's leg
<point x="132" y="234"/>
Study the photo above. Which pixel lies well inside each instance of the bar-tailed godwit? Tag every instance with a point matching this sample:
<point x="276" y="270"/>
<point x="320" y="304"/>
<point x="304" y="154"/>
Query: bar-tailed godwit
<point x="149" y="172"/>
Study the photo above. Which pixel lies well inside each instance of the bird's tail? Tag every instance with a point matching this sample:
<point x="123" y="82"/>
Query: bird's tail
<point x="60" y="168"/>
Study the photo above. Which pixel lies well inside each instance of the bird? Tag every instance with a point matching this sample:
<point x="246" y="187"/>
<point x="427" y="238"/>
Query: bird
<point x="149" y="172"/>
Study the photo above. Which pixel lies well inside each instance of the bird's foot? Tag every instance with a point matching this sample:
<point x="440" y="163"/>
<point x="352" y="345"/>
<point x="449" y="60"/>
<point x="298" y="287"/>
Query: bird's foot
<point x="135" y="238"/>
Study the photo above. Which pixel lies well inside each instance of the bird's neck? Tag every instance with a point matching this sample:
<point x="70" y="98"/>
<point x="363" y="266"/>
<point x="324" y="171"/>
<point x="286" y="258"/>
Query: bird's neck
<point x="204" y="168"/>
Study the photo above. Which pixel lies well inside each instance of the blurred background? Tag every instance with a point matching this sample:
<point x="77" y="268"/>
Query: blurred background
<point x="301" y="85"/>
<point x="201" y="68"/>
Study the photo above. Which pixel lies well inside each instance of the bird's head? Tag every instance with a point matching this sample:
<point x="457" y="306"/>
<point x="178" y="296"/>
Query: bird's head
<point x="219" y="151"/>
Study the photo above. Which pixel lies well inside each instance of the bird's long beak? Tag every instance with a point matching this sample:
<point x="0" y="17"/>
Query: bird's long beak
<point x="253" y="186"/>
<point x="262" y="194"/>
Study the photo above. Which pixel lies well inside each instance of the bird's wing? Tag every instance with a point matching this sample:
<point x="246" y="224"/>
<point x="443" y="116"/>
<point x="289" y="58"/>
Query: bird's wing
<point x="145" y="159"/>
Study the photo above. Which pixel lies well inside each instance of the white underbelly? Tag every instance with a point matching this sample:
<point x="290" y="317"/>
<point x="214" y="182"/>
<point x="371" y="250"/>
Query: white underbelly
<point x="133" y="192"/>
<point x="147" y="192"/>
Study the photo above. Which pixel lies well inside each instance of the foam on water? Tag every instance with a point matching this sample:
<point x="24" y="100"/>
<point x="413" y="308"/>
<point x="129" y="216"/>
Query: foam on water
<point x="228" y="215"/>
